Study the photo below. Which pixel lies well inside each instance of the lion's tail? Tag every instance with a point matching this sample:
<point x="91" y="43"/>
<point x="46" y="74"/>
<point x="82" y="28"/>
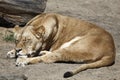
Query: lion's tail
<point x="100" y="63"/>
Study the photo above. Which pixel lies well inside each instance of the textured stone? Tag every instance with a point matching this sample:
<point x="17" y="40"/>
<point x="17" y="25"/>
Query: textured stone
<point x="20" y="11"/>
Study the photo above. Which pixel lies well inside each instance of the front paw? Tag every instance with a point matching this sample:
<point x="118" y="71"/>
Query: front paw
<point x="22" y="61"/>
<point x="11" y="54"/>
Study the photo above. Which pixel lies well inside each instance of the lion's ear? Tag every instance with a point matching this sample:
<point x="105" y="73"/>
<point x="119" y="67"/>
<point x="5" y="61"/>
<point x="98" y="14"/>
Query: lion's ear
<point x="38" y="31"/>
<point x="17" y="28"/>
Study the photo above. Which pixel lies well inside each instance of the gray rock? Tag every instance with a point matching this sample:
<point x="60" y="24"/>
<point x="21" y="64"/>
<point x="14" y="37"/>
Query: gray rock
<point x="20" y="11"/>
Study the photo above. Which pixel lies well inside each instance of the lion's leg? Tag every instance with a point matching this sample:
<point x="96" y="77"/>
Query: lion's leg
<point x="23" y="60"/>
<point x="49" y="57"/>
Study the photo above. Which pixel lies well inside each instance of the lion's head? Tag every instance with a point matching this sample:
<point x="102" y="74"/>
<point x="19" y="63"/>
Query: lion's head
<point x="29" y="40"/>
<point x="35" y="36"/>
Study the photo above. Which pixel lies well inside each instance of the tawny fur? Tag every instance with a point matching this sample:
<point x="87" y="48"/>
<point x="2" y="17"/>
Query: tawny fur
<point x="66" y="39"/>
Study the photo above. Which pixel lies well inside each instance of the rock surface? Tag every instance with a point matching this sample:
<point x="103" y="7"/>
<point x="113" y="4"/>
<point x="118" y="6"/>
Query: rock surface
<point x="20" y="11"/>
<point x="13" y="77"/>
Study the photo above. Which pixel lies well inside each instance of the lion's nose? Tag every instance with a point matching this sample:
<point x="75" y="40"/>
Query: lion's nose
<point x="18" y="49"/>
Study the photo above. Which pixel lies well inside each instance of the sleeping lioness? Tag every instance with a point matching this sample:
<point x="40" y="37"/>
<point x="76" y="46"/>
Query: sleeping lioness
<point x="61" y="38"/>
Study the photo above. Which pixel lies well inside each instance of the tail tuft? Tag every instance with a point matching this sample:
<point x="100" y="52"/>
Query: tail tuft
<point x="68" y="74"/>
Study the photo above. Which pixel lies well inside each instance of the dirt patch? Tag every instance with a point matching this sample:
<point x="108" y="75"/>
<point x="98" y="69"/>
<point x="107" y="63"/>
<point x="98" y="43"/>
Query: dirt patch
<point x="104" y="13"/>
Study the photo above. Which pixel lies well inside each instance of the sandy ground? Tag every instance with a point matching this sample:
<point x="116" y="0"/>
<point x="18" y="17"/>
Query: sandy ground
<point x="104" y="13"/>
